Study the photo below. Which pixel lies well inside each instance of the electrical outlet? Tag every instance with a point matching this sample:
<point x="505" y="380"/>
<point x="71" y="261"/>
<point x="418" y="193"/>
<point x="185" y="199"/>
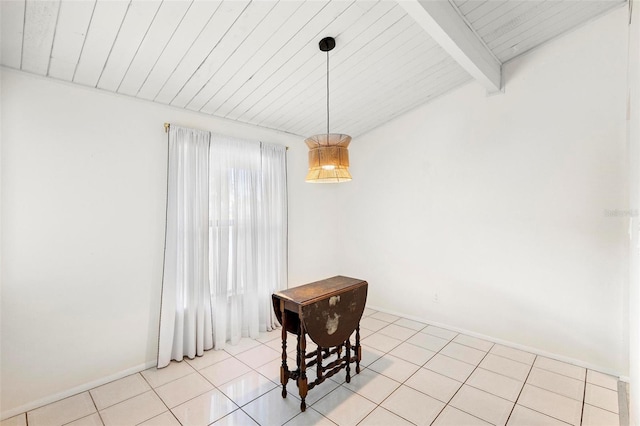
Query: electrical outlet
<point x="435" y="298"/>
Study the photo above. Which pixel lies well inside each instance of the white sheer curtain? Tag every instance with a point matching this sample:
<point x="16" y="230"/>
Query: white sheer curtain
<point x="273" y="216"/>
<point x="244" y="243"/>
<point x="185" y="316"/>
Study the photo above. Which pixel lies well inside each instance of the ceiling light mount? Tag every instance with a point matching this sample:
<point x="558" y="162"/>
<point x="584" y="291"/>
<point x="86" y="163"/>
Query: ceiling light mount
<point x="328" y="152"/>
<point x="327" y="44"/>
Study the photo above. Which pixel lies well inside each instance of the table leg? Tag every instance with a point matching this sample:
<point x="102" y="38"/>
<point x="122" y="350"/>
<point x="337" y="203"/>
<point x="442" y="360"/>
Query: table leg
<point x="284" y="370"/>
<point x="319" y="364"/>
<point x="358" y="349"/>
<point x="347" y="353"/>
<point x="302" y="366"/>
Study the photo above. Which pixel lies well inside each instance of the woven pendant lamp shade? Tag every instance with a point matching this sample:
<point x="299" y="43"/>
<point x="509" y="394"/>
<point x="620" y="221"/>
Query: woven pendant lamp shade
<point x="328" y="158"/>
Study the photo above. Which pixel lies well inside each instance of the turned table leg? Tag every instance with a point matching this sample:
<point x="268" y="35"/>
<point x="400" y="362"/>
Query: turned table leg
<point x="358" y="349"/>
<point x="347" y="353"/>
<point x="284" y="371"/>
<point x="302" y="367"/>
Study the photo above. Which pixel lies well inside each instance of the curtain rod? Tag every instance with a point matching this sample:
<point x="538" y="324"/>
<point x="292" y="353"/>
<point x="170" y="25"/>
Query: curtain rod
<point x="168" y="125"/>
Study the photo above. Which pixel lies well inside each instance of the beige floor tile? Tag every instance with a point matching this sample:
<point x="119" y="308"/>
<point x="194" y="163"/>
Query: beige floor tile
<point x="603" y="380"/>
<point x="497" y="364"/>
<point x="473" y="342"/>
<point x="372" y="385"/>
<point x="380" y="342"/>
<point x="601" y="397"/>
<point x="428" y="341"/>
<point x="225" y="371"/>
<point x="414" y="406"/>
<point x="246" y="388"/>
<point x="372" y="324"/>
<point x="271" y="370"/>
<point x="391" y="376"/>
<point x="183" y="389"/>
<point x="133" y="411"/>
<point x="433" y="384"/>
<point x="363" y="333"/>
<point x="552" y="404"/>
<point x="496" y="384"/>
<point x="397" y="332"/>
<point x="243" y="344"/>
<point x="442" y="333"/>
<point x="453" y="417"/>
<point x="119" y="390"/>
<point x="63" y="411"/>
<point x="276" y="345"/>
<point x="594" y="416"/>
<point x="164" y="419"/>
<point x="560" y="367"/>
<point x="523" y="416"/>
<point x="161" y="376"/>
<point x="236" y="418"/>
<point x="382" y="417"/>
<point x="414" y="325"/>
<point x="92" y="420"/>
<point x="369" y="355"/>
<point x="452" y="368"/>
<point x="204" y="409"/>
<point x="19" y="420"/>
<point x="344" y="407"/>
<point x="207" y="359"/>
<point x="463" y="353"/>
<point x="482" y="404"/>
<point x="556" y="383"/>
<point x="513" y="354"/>
<point x="310" y="418"/>
<point x="368" y="312"/>
<point x="259" y="355"/>
<point x="394" y="368"/>
<point x="316" y="393"/>
<point x="272" y="409"/>
<point x="267" y="336"/>
<point x="412" y="353"/>
<point x="383" y="316"/>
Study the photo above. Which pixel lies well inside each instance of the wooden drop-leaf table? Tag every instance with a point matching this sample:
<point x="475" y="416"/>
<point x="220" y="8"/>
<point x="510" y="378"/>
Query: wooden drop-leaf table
<point x="329" y="311"/>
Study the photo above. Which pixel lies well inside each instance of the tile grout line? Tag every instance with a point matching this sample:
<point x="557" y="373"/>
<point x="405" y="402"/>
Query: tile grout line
<point x="447" y="404"/>
<point x="555" y="393"/>
<point x="436" y="353"/>
<point x="161" y="400"/>
<point x="367" y="367"/>
<point x="342" y="384"/>
<point x="198" y="371"/>
<point x="522" y="388"/>
<point x="584" y="397"/>
<point x="95" y="405"/>
<point x="531" y="366"/>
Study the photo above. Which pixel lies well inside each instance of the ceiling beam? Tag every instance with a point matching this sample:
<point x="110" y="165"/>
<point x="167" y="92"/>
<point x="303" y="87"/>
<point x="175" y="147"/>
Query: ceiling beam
<point x="441" y="20"/>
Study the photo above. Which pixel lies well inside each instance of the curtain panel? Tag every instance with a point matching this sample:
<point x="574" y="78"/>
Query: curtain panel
<point x="226" y="241"/>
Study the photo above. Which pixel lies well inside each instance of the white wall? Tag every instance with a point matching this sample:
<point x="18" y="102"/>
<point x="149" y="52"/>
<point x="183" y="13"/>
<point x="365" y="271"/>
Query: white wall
<point x="83" y="199"/>
<point x="633" y="135"/>
<point x="487" y="213"/>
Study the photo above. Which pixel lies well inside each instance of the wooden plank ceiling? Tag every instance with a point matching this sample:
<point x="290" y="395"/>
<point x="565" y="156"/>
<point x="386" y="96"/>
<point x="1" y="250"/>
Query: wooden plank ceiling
<point x="258" y="62"/>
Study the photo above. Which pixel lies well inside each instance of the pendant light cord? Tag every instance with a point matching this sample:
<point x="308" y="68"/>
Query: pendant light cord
<point x="327" y="96"/>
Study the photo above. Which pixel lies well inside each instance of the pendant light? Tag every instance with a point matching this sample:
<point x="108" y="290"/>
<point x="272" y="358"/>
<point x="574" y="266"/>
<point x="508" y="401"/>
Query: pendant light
<point x="328" y="152"/>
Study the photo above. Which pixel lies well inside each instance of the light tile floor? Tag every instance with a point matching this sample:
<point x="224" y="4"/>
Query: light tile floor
<point x="413" y="373"/>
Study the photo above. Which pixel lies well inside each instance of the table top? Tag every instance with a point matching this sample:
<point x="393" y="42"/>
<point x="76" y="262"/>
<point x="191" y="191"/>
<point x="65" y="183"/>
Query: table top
<point x="309" y="293"/>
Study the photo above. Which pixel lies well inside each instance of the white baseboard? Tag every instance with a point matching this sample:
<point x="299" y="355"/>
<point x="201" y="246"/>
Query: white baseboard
<point x="525" y="348"/>
<point x="74" y="391"/>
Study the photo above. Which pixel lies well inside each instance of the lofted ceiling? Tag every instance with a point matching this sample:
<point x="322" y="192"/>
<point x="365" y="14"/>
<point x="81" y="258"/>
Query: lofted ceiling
<point x="258" y="62"/>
